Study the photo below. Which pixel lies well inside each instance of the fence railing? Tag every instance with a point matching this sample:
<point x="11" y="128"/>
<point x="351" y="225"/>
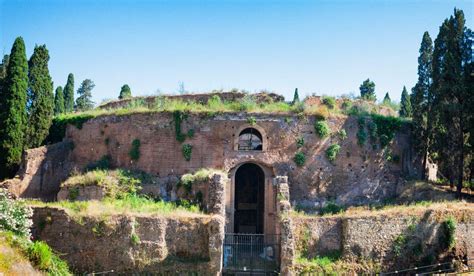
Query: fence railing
<point x="251" y="253"/>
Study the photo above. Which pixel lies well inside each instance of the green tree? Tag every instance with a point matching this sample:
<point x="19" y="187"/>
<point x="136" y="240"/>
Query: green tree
<point x="13" y="115"/>
<point x="3" y="74"/>
<point x="405" y="104"/>
<point x="296" y="97"/>
<point x="125" y="92"/>
<point x="59" y="101"/>
<point x="367" y="90"/>
<point x="386" y="99"/>
<point x="69" y="94"/>
<point x="41" y="97"/>
<point x="452" y="104"/>
<point x="422" y="101"/>
<point x="84" y="101"/>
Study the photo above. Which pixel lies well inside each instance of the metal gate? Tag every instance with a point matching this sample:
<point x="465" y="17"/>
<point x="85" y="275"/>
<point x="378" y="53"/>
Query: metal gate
<point x="251" y="254"/>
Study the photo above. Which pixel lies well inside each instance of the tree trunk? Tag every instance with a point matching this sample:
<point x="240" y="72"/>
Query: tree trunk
<point x="423" y="166"/>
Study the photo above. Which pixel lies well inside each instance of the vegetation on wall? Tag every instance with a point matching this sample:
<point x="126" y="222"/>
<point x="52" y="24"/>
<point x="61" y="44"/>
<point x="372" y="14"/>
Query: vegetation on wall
<point x="332" y="151"/>
<point x="300" y="158"/>
<point x="134" y="152"/>
<point x="299" y="142"/>
<point x="251" y="120"/>
<point x="57" y="131"/>
<point x="329" y="101"/>
<point x="322" y="129"/>
<point x="179" y="117"/>
<point x="187" y="151"/>
<point x="449" y="226"/>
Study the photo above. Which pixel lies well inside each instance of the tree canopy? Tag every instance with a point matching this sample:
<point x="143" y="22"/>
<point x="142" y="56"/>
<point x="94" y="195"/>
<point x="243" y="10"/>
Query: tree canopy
<point x="367" y="90"/>
<point x="84" y="101"/>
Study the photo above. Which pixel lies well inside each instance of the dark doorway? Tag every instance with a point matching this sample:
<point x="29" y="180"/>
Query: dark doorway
<point x="249" y="199"/>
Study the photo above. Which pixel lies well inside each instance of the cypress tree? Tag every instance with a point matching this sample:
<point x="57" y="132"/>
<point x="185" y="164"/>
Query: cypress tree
<point x="13" y="115"/>
<point x="296" y="97"/>
<point x="452" y="105"/>
<point x="125" y="92"/>
<point x="386" y="99"/>
<point x="84" y="101"/>
<point x="69" y="94"/>
<point x="41" y="97"/>
<point x="422" y="100"/>
<point x="3" y="74"/>
<point x="405" y="104"/>
<point x="59" y="101"/>
<point x="367" y="90"/>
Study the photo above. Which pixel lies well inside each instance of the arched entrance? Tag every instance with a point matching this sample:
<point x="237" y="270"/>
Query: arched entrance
<point x="249" y="199"/>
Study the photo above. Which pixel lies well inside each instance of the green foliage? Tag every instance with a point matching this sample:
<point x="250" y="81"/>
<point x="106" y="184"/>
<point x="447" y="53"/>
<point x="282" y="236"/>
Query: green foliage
<point x="329" y="101"/>
<point x="386" y="99"/>
<point x="179" y="117"/>
<point x="134" y="239"/>
<point x="57" y="130"/>
<point x="59" y="101"/>
<point x="299" y="142"/>
<point x="187" y="151"/>
<point x="300" y="158"/>
<point x="367" y="90"/>
<point x="361" y="134"/>
<point x="331" y="208"/>
<point x="324" y="265"/>
<point x="251" y="120"/>
<point x="15" y="215"/>
<point x="13" y="114"/>
<point x="346" y="104"/>
<point x="69" y="94"/>
<point x="73" y="193"/>
<point x="405" y="104"/>
<point x="190" y="133"/>
<point x="332" y="151"/>
<point x="387" y="127"/>
<point x="398" y="243"/>
<point x="187" y="180"/>
<point x="134" y="152"/>
<point x="84" y="101"/>
<point x="322" y="128"/>
<point x="449" y="226"/>
<point x="40" y="98"/>
<point x="296" y="97"/>
<point x="342" y="134"/>
<point x="125" y="92"/>
<point x="43" y="257"/>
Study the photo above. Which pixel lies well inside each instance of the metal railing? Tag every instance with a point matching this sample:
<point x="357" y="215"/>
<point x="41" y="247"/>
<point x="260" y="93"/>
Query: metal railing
<point x="251" y="253"/>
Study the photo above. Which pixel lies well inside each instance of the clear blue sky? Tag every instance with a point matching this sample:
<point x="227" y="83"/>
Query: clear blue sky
<point x="323" y="47"/>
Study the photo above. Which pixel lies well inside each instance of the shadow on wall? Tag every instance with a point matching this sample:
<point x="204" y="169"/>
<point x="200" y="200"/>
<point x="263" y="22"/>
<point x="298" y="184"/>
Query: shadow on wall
<point x="42" y="171"/>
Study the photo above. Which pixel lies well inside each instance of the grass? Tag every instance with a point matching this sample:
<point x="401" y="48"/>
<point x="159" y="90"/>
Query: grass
<point x="130" y="204"/>
<point x="458" y="208"/>
<point x="38" y="253"/>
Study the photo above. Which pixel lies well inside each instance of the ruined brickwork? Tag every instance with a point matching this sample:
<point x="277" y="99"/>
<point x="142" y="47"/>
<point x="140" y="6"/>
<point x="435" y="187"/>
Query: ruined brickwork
<point x="359" y="174"/>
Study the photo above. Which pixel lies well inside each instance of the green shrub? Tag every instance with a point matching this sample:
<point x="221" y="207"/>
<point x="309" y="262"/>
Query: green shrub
<point x="43" y="258"/>
<point x="251" y="120"/>
<point x="387" y="126"/>
<point x="342" y="134"/>
<point x="330" y="102"/>
<point x="187" y="151"/>
<point x="398" y="244"/>
<point x="15" y="215"/>
<point x="179" y="117"/>
<point x="300" y="158"/>
<point x="299" y="142"/>
<point x="332" y="152"/>
<point x="346" y="105"/>
<point x="134" y="152"/>
<point x="449" y="226"/>
<point x="57" y="131"/>
<point x="73" y="193"/>
<point x="134" y="239"/>
<point x="331" y="208"/>
<point x="322" y="129"/>
<point x="190" y="133"/>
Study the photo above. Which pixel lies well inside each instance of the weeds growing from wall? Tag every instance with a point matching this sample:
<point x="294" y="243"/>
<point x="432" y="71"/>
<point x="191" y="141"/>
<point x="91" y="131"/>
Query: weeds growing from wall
<point x="187" y="151"/>
<point x="322" y="129"/>
<point x="299" y="142"/>
<point x="134" y="152"/>
<point x="300" y="158"/>
<point x="449" y="226"/>
<point x="332" y="151"/>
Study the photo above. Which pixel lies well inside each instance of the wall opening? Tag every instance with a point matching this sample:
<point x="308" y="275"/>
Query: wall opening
<point x="249" y="199"/>
<point x="250" y="139"/>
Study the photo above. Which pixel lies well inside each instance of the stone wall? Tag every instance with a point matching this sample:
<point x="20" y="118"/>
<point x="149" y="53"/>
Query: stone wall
<point x="396" y="240"/>
<point x="165" y="244"/>
<point x="358" y="175"/>
<point x="41" y="172"/>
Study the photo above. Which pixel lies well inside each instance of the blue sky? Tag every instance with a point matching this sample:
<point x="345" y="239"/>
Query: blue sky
<point x="322" y="47"/>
